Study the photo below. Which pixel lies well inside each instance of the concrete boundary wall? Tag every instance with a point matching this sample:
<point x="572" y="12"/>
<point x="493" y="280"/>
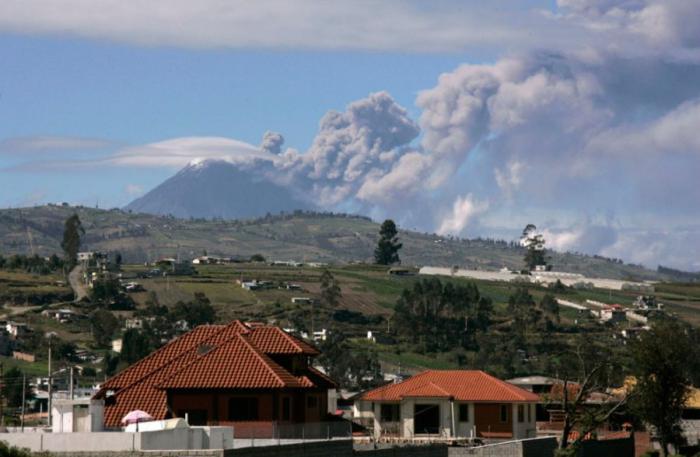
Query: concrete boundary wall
<point x="532" y="447"/>
<point x="194" y="438"/>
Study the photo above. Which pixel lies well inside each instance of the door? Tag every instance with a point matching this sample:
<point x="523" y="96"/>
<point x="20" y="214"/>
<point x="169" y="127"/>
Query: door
<point x="81" y="418"/>
<point x="426" y="419"/>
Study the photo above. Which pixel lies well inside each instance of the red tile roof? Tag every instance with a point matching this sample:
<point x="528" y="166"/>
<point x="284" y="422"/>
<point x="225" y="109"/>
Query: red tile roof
<point x="232" y="356"/>
<point x="461" y="385"/>
<point x="274" y="340"/>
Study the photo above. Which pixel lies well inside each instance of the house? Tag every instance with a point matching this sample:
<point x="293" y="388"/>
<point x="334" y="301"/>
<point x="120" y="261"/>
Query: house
<point x="211" y="260"/>
<point x="250" y="377"/>
<point x="16" y="329"/>
<point x="24" y="356"/>
<point x="450" y="404"/>
<point x="61" y="315"/>
<point x="303" y="300"/>
<point x="117" y="345"/>
<point x="613" y="313"/>
<point x="542" y="386"/>
<point x="400" y="271"/>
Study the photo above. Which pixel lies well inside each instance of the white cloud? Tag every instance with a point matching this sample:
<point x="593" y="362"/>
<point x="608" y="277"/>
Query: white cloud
<point x="40" y="144"/>
<point x="464" y="210"/>
<point x="133" y="190"/>
<point x="301" y="24"/>
<point x="178" y="152"/>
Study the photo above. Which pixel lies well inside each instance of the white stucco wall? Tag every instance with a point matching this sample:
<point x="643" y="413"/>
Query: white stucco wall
<point x="527" y="428"/>
<point x="464" y="429"/>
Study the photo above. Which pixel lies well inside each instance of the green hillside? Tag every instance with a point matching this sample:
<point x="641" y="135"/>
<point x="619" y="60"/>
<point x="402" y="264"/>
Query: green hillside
<point x="299" y="236"/>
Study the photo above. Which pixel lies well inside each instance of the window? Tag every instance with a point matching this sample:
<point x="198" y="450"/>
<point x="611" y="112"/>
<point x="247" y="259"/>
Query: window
<point x="464" y="413"/>
<point x="521" y="413"/>
<point x="194" y="416"/>
<point x="504" y="413"/>
<point x="286" y="408"/>
<point x="529" y="413"/>
<point x="389" y="413"/>
<point x="243" y="409"/>
<point x="311" y="401"/>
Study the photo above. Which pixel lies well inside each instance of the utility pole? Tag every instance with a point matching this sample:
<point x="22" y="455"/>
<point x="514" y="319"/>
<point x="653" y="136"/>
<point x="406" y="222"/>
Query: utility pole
<point x="50" y="384"/>
<point x="71" y="382"/>
<point x="2" y="395"/>
<point x="24" y="398"/>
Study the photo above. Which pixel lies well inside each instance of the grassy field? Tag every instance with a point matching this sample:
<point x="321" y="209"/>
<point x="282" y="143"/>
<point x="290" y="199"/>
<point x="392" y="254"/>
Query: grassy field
<point x="366" y="289"/>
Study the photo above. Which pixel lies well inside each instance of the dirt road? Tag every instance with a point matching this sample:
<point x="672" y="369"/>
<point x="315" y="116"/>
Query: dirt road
<point x="75" y="277"/>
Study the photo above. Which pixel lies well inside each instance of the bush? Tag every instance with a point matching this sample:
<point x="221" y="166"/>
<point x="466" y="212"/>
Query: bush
<point x="11" y="451"/>
<point x="570" y="451"/>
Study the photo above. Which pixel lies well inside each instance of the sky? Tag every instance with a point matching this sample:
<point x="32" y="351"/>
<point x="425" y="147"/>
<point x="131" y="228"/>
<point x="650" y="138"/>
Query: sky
<point x="463" y="118"/>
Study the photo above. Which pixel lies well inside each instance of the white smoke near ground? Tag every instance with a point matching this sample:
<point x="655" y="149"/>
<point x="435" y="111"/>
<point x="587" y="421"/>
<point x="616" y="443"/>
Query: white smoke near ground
<point x="464" y="209"/>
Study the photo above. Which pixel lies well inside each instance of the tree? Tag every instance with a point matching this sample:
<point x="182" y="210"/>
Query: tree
<point x="197" y="312"/>
<point x="436" y="316"/>
<point x="587" y="369"/>
<point x="12" y="381"/>
<point x="354" y="367"/>
<point x="661" y="366"/>
<point x="257" y="258"/>
<point x="135" y="346"/>
<point x="550" y="306"/>
<point x="533" y="242"/>
<point x="104" y="324"/>
<point x="330" y="290"/>
<point x="387" y="250"/>
<point x="72" y="231"/>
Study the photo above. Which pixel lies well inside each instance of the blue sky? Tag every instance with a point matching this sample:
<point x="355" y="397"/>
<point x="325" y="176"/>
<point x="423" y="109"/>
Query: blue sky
<point x="461" y="117"/>
<point x="70" y="87"/>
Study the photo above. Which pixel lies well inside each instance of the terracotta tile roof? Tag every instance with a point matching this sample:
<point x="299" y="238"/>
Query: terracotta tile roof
<point x="462" y="385"/>
<point x="162" y="356"/>
<point x="235" y="364"/>
<point x="274" y="340"/>
<point x="210" y="356"/>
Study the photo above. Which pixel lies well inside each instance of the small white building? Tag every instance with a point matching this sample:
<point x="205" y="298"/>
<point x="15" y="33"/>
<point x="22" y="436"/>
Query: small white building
<point x="83" y="415"/>
<point x="117" y="345"/>
<point x="16" y="329"/>
<point x="61" y="315"/>
<point x="613" y="313"/>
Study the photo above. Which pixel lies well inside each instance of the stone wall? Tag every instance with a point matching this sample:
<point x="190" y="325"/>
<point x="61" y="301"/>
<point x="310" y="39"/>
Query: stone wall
<point x="435" y="450"/>
<point x="533" y="447"/>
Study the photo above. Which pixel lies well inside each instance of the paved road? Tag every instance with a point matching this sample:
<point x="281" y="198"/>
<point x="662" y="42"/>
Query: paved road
<point x="75" y="277"/>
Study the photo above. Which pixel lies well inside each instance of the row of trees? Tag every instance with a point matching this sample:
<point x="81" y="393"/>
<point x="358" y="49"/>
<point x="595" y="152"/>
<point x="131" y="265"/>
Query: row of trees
<point x="436" y="316"/>
<point x="32" y="264"/>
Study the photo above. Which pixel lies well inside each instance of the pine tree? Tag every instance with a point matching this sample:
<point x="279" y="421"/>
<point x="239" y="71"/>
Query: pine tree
<point x="387" y="251"/>
<point x="330" y="290"/>
<point x="71" y="239"/>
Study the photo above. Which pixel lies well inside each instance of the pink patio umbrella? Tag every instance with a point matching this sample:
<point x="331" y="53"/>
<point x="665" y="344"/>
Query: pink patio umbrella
<point x="136" y="416"/>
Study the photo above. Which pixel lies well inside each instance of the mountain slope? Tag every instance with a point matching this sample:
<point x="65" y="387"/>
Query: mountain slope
<point x="216" y="189"/>
<point x="297" y="236"/>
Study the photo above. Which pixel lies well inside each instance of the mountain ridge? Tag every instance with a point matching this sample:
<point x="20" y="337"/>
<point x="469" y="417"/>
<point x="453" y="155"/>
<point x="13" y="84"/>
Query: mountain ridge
<point x="298" y="235"/>
<point x="216" y="188"/>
